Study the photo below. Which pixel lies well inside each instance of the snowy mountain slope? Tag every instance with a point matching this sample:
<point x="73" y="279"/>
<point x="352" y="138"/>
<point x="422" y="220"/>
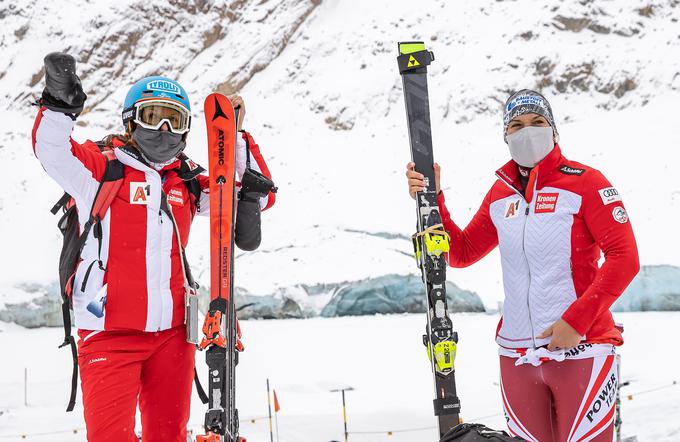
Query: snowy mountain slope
<point x="118" y="42"/>
<point x="306" y="359"/>
<point x="324" y="102"/>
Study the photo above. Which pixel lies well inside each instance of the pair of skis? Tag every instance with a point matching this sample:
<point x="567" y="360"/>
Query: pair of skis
<point x="220" y="330"/>
<point x="431" y="242"/>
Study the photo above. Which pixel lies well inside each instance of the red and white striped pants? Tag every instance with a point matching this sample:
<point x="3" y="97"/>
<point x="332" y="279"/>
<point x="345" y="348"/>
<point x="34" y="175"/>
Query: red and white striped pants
<point x="572" y="400"/>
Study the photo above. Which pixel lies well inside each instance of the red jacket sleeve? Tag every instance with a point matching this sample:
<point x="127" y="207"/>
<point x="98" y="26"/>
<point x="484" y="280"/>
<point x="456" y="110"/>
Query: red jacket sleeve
<point x="260" y="165"/>
<point x="476" y="241"/>
<point x="607" y="220"/>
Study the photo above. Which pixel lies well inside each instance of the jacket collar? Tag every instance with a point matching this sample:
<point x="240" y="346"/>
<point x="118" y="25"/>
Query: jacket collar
<point x="509" y="173"/>
<point x="130" y="157"/>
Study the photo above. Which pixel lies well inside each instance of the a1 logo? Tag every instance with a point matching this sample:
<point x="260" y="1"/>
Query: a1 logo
<point x="140" y="193"/>
<point x="512" y="209"/>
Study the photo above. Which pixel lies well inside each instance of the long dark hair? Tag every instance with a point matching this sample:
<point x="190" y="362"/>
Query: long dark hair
<point x="125" y="138"/>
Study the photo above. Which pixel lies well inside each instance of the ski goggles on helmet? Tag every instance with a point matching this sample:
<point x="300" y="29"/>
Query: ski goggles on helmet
<point x="152" y="114"/>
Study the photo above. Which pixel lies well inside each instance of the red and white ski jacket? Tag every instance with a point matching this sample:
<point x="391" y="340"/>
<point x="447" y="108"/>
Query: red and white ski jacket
<point x="143" y="280"/>
<point x="550" y="241"/>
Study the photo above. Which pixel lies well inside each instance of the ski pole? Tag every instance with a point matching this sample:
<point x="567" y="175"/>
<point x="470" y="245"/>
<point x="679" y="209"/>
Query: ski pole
<point x="344" y="408"/>
<point x="269" y="406"/>
<point x="344" y="415"/>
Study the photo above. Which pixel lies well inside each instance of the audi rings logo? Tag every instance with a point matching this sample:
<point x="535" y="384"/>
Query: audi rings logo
<point x="609" y="195"/>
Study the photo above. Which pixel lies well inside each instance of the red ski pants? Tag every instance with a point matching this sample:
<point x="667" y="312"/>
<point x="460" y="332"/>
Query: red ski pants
<point x="120" y="368"/>
<point x="572" y="400"/>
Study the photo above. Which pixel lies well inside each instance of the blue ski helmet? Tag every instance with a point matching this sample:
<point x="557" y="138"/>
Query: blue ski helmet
<point x="161" y="88"/>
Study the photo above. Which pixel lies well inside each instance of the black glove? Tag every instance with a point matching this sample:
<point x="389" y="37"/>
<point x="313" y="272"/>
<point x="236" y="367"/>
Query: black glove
<point x="63" y="91"/>
<point x="255" y="185"/>
<point x="248" y="230"/>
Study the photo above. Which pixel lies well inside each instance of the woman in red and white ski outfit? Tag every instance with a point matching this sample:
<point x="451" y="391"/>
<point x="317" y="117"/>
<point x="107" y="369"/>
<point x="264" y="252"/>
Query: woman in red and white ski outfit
<point x="551" y="217"/>
<point x="128" y="291"/>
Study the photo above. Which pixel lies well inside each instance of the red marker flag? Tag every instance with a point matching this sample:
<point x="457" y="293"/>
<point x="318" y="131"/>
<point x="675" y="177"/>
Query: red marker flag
<point x="277" y="407"/>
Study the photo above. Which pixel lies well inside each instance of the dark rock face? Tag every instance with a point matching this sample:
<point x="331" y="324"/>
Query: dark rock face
<point x="395" y="294"/>
<point x="42" y="307"/>
<point x="655" y="288"/>
<point x="126" y="42"/>
<point x="267" y="307"/>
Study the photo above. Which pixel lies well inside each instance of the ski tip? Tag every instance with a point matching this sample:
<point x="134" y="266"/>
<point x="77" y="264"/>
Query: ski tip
<point x="409" y="47"/>
<point x="413" y="57"/>
<point x="215" y="97"/>
<point x="217" y="106"/>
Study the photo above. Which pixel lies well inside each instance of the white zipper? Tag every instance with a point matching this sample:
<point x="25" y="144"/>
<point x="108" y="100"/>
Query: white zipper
<point x="524" y="230"/>
<point x="526" y="218"/>
<point x="160" y="248"/>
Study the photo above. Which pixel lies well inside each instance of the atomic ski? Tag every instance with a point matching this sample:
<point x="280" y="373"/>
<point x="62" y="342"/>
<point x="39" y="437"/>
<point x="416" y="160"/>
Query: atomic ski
<point x="220" y="329"/>
<point x="431" y="242"/>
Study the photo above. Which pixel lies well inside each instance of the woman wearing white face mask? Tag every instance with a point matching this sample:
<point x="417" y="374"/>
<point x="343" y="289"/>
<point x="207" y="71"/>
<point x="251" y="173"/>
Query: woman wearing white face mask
<point x="551" y="217"/>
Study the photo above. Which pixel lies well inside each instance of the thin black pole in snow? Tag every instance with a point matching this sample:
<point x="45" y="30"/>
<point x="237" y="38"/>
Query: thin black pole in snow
<point x="269" y="405"/>
<point x="344" y="409"/>
<point x="344" y="415"/>
<point x="26" y="386"/>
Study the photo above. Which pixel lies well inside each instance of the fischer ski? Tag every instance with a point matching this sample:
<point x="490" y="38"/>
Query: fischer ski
<point x="221" y="332"/>
<point x="430" y="242"/>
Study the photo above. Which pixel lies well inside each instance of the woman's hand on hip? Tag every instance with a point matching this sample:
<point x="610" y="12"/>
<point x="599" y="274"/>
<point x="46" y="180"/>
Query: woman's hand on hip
<point x="563" y="336"/>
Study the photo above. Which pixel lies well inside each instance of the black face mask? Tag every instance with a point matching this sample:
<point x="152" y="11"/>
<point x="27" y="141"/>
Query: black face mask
<point x="158" y="146"/>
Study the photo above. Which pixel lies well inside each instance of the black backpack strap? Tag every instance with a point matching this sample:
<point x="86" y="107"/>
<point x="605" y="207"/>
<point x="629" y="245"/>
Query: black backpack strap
<point x="113" y="172"/>
<point x="187" y="172"/>
<point x="199" y="388"/>
<point x="65" y="198"/>
<point x="70" y="255"/>
<point x="247" y="150"/>
<point x="194" y="189"/>
<point x="70" y="341"/>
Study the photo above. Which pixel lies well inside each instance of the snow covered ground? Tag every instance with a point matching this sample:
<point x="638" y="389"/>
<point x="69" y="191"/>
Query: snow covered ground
<point x="304" y="359"/>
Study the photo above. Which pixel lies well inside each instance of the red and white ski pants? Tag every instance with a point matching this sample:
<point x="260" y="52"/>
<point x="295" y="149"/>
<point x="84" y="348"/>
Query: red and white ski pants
<point x="572" y="400"/>
<point x="120" y="368"/>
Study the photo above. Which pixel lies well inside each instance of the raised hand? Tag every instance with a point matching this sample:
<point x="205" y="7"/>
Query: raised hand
<point x="63" y="91"/>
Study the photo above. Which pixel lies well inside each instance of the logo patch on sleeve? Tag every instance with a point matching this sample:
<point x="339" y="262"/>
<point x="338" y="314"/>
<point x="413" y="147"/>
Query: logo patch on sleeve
<point x="175" y="197"/>
<point x="140" y="193"/>
<point x="571" y="170"/>
<point x="192" y="166"/>
<point x="609" y="195"/>
<point x="620" y="215"/>
<point x="546" y="202"/>
<point x="512" y="209"/>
